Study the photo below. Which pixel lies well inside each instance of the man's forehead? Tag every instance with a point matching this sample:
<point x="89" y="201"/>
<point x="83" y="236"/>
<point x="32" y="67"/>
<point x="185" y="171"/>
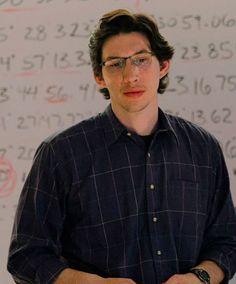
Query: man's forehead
<point x="125" y="44"/>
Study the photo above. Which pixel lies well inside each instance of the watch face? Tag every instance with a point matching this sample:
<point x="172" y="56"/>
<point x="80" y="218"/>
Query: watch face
<point x="204" y="275"/>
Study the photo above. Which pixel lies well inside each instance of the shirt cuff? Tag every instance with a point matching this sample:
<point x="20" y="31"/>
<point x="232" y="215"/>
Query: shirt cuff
<point x="215" y="257"/>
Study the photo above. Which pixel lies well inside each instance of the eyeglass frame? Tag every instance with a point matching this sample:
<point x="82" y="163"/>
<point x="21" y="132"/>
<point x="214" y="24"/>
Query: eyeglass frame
<point x="124" y="59"/>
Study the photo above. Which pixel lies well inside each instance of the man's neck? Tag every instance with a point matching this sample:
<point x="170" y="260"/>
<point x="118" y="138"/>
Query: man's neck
<point x="142" y="122"/>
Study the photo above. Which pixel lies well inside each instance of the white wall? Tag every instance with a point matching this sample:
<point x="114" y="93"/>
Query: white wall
<point x="46" y="82"/>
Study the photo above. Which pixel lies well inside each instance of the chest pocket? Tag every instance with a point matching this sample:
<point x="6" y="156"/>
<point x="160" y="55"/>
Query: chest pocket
<point x="188" y="197"/>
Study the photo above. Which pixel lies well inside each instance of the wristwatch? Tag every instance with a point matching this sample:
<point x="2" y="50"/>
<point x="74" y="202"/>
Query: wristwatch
<point x="202" y="275"/>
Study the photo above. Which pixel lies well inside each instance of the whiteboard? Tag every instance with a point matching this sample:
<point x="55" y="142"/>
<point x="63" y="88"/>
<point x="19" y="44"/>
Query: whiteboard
<point x="47" y="84"/>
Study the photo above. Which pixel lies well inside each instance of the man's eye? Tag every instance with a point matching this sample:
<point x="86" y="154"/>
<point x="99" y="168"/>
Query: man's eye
<point x="117" y="64"/>
<point x="141" y="60"/>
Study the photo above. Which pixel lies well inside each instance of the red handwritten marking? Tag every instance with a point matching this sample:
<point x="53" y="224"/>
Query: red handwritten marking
<point x="137" y="4"/>
<point x="27" y="74"/>
<point x="9" y="182"/>
<point x="56" y="101"/>
<point x="16" y="10"/>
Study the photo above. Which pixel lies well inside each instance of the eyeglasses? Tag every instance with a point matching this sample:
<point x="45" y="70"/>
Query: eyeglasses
<point x="141" y="60"/>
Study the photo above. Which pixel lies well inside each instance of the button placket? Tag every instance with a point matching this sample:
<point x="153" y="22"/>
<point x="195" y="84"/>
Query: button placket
<point x="154" y="219"/>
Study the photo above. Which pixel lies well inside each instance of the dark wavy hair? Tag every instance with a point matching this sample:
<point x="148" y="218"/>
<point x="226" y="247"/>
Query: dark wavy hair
<point x="123" y="21"/>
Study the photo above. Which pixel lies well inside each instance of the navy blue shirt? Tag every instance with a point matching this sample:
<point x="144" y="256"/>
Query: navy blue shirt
<point x="97" y="200"/>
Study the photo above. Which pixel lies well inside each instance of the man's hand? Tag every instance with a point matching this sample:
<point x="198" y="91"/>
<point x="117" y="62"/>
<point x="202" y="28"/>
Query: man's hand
<point x="71" y="276"/>
<point x="188" y="278"/>
<point x="215" y="272"/>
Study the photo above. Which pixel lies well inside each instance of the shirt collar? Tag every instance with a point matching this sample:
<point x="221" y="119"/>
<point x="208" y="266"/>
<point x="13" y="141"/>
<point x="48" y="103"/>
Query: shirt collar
<point x="111" y="125"/>
<point x="165" y="124"/>
<point x="113" y="128"/>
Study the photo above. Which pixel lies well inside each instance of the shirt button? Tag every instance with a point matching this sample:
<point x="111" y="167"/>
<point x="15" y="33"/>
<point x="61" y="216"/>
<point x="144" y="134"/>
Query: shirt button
<point x="154" y="219"/>
<point x="128" y="134"/>
<point x="158" y="252"/>
<point x="152" y="186"/>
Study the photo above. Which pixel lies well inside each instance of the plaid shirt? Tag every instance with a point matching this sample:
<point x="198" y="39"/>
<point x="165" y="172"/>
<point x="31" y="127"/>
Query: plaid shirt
<point x="98" y="201"/>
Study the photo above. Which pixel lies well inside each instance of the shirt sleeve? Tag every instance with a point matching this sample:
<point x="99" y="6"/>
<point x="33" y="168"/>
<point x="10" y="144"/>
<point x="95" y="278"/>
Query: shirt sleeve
<point x="35" y="248"/>
<point x="220" y="235"/>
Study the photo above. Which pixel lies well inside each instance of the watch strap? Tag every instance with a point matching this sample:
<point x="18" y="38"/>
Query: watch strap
<point x="201" y="274"/>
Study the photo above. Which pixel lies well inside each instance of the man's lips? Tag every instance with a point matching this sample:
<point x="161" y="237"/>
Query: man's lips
<point x="133" y="93"/>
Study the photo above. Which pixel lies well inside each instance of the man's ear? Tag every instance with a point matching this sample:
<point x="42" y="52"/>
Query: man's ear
<point x="100" y="81"/>
<point x="165" y="67"/>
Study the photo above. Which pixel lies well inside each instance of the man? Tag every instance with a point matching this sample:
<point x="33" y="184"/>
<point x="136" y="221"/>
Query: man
<point x="132" y="195"/>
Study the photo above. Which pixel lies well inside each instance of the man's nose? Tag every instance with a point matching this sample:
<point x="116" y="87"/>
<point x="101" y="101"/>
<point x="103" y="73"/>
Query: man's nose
<point x="130" y="72"/>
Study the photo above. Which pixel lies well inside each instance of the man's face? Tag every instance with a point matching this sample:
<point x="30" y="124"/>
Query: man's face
<point x="133" y="85"/>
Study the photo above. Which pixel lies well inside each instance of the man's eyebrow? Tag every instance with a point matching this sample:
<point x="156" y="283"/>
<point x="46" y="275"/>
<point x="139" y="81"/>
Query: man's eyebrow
<point x="113" y="57"/>
<point x="120" y="57"/>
